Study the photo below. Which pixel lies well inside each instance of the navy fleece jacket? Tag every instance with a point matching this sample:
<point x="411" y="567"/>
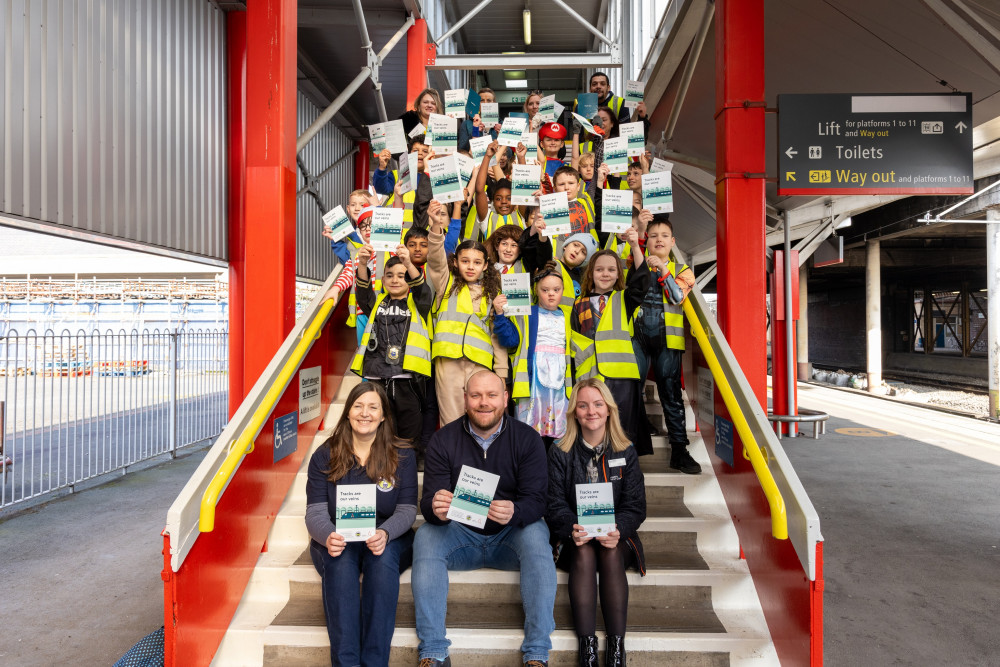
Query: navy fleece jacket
<point x="517" y="456"/>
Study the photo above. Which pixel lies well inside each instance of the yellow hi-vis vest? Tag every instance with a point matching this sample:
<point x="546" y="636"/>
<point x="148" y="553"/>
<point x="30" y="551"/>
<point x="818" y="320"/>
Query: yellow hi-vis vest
<point x="613" y="355"/>
<point x="588" y="205"/>
<point x="569" y="292"/>
<point x="408" y="199"/>
<point x="352" y="299"/>
<point x="494" y="220"/>
<point x="620" y="248"/>
<point x="417" y="352"/>
<point x="522" y="381"/>
<point x="470" y="228"/>
<point x="673" y="316"/>
<point x="460" y="331"/>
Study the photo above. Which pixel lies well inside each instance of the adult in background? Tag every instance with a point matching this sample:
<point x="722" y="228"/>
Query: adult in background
<point x="360" y="618"/>
<point x="515" y="536"/>
<point x="596" y="449"/>
<point x="427" y="102"/>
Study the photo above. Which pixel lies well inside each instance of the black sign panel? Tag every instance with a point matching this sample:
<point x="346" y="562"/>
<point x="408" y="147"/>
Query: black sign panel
<point x="875" y="144"/>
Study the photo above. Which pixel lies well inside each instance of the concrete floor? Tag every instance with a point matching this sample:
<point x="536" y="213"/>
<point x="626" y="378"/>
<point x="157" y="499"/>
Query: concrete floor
<point x="81" y="574"/>
<point x="910" y="522"/>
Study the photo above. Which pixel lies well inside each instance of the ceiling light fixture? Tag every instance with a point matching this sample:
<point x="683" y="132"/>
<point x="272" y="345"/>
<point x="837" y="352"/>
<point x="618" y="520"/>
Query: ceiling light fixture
<point x="527" y="26"/>
<point x="517" y="83"/>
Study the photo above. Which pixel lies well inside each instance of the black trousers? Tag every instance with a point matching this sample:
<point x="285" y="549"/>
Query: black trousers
<point x="666" y="365"/>
<point x="406" y="400"/>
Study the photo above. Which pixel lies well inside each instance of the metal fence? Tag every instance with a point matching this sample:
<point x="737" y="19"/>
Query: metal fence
<point x="75" y="406"/>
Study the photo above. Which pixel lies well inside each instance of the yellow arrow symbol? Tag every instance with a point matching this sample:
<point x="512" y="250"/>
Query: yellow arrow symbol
<point x="789" y="175"/>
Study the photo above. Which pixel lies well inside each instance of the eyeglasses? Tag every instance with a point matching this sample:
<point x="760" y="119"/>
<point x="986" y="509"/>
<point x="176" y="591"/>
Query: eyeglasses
<point x="364" y="226"/>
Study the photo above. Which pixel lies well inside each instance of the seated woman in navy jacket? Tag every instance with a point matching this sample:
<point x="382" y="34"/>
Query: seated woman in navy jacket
<point x="596" y="449"/>
<point x="363" y="449"/>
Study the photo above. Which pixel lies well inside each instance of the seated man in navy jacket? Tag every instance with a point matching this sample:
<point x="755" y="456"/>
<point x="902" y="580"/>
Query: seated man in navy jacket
<point x="515" y="536"/>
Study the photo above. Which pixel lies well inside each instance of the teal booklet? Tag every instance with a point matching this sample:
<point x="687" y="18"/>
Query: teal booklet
<point x="454" y="103"/>
<point x="355" y="511"/>
<point x="616" y="154"/>
<point x="472" y="497"/>
<point x="489" y="114"/>
<point x="586" y="105"/>
<point x="595" y="508"/>
<point x="511" y="131"/>
<point x="635" y="133"/>
<point x="472" y="103"/>
<point x="616" y="211"/>
<point x="478" y="146"/>
<point x="634" y="93"/>
<point x="443" y="131"/>
<point x="517" y="288"/>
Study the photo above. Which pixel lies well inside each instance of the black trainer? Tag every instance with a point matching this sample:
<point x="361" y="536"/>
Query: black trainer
<point x="681" y="460"/>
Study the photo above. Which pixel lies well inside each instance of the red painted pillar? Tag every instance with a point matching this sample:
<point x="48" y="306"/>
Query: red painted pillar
<point x="362" y="165"/>
<point x="416" y="60"/>
<point x="270" y="181"/>
<point x="236" y="71"/>
<point x="741" y="165"/>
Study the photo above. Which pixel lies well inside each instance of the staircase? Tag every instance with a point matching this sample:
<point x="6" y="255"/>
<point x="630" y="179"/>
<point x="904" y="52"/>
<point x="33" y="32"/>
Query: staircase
<point x="696" y="607"/>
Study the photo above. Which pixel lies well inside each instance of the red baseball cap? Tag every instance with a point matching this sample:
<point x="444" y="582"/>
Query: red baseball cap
<point x="554" y="130"/>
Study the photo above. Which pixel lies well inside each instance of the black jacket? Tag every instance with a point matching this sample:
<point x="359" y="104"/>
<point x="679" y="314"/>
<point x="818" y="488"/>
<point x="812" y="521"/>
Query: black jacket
<point x="628" y="488"/>
<point x="517" y="455"/>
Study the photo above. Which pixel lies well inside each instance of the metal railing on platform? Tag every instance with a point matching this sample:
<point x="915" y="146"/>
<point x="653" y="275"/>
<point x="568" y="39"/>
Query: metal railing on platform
<point x="80" y="405"/>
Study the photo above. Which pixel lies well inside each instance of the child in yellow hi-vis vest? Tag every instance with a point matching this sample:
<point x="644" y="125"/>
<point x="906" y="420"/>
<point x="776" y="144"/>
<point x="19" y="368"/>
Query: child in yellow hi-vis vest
<point x="395" y="348"/>
<point x="659" y="335"/>
<point x="465" y="285"/>
<point x="603" y="314"/>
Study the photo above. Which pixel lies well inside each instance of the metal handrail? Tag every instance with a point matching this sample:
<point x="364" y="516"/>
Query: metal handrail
<point x="243" y="445"/>
<point x="776" y="502"/>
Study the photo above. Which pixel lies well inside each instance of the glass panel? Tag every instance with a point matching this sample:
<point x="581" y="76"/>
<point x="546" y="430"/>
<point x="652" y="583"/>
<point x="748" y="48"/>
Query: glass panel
<point x="947" y="322"/>
<point x="977" y="323"/>
<point x="918" y="320"/>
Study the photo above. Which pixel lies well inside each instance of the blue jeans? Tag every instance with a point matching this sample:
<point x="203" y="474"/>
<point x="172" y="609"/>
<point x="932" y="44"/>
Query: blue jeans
<point x="361" y="616"/>
<point x="454" y="546"/>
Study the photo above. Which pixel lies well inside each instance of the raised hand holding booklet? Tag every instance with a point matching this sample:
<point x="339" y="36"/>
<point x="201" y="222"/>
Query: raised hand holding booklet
<point x="472" y="496"/>
<point x="517" y="288"/>
<point x="377" y="134"/>
<point x="387" y="229"/>
<point x="555" y="211"/>
<point x="454" y="103"/>
<point x="616" y="154"/>
<point x="338" y="223"/>
<point x="443" y="133"/>
<point x="355" y="511"/>
<point x="530" y="141"/>
<point x="511" y="131"/>
<point x="595" y="508"/>
<point x="526" y="180"/>
<point x="634" y="93"/>
<point x="445" y="179"/>
<point x="478" y="146"/>
<point x="489" y="113"/>
<point x="657" y="192"/>
<point x="616" y="211"/>
<point x="635" y="133"/>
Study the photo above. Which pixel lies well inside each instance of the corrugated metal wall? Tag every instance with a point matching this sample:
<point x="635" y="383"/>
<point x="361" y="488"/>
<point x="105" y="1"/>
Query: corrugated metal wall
<point x="114" y="119"/>
<point x="314" y="258"/>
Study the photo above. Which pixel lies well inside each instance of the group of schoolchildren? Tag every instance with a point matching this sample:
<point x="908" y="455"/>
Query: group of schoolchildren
<point x="606" y="306"/>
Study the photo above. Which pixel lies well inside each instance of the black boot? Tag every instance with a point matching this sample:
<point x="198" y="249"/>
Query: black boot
<point x="588" y="651"/>
<point x="614" y="655"/>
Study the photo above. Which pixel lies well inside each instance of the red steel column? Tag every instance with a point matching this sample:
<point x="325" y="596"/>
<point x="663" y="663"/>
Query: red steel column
<point x="270" y="182"/>
<point x="416" y="60"/>
<point x="362" y="165"/>
<point x="740" y="156"/>
<point x="236" y="71"/>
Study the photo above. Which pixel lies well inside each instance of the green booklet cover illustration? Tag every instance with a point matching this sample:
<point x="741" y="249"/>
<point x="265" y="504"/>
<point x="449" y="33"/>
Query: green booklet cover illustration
<point x="635" y="133"/>
<point x="526" y="180"/>
<point x="355" y="511"/>
<point x="517" y="288"/>
<point x="387" y="229"/>
<point x="595" y="508"/>
<point x="444" y="132"/>
<point x="338" y="223"/>
<point x="616" y="154"/>
<point x="634" y="93"/>
<point x="472" y="497"/>
<point x="511" y="131"/>
<point x="657" y="192"/>
<point x="445" y="179"/>
<point x="616" y="210"/>
<point x="454" y="102"/>
<point x="555" y="212"/>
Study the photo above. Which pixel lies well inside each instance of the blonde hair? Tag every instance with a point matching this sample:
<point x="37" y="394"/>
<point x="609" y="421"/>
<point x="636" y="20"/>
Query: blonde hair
<point x="433" y="93"/>
<point x="614" y="434"/>
<point x="586" y="158"/>
<point x="359" y="193"/>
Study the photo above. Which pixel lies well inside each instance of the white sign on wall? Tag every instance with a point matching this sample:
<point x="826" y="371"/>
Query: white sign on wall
<point x="309" y="393"/>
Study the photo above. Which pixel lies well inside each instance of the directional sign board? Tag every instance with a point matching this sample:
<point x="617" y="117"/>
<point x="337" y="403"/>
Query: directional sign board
<point x="874" y="144"/>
